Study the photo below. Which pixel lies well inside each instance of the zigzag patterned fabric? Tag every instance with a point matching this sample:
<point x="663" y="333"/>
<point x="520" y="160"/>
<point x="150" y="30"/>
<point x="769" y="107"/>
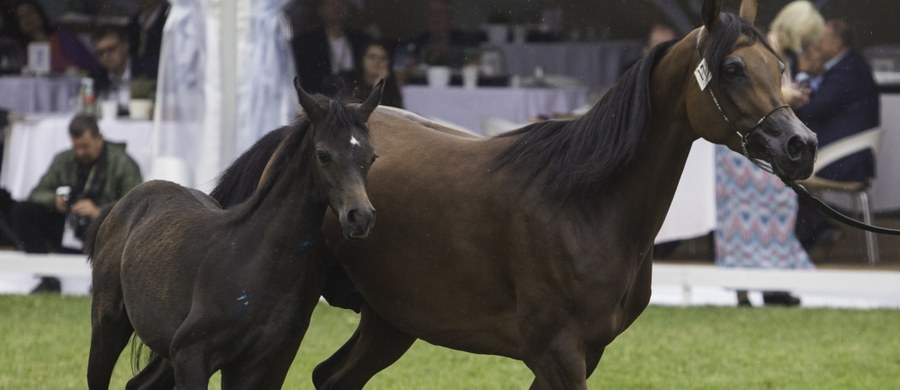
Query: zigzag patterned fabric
<point x="755" y="216"/>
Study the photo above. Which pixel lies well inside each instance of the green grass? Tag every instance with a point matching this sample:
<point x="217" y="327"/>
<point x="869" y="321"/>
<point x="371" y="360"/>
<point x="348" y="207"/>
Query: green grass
<point x="45" y="343"/>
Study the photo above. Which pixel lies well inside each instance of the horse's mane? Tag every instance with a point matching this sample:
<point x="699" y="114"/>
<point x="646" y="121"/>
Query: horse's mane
<point x="578" y="158"/>
<point x="241" y="179"/>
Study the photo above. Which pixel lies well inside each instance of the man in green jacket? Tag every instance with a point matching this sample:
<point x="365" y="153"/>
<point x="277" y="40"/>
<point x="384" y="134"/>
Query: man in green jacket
<point x="80" y="181"/>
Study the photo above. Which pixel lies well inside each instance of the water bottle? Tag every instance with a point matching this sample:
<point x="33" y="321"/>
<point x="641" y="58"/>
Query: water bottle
<point x="87" y="101"/>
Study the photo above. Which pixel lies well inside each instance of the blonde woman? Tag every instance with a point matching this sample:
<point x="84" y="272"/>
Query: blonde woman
<point x="793" y="31"/>
<point x="755" y="212"/>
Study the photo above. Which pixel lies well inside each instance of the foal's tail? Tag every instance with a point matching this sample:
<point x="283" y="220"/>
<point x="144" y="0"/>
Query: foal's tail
<point x="90" y="235"/>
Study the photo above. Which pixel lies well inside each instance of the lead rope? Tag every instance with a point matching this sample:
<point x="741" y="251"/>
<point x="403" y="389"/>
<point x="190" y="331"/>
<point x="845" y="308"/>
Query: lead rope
<point x="703" y="78"/>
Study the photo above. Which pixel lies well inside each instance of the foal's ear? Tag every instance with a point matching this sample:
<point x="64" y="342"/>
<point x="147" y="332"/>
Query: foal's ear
<point x="372" y="101"/>
<point x="313" y="110"/>
<point x="748" y="11"/>
<point x="710" y="13"/>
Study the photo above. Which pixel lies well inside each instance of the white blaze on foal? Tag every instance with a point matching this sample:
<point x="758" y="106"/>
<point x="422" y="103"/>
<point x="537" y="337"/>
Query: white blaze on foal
<point x="353" y="141"/>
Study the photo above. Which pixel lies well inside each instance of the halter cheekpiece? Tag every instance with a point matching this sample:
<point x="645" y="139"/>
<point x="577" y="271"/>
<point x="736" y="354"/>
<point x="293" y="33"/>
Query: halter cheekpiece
<point x="704" y="77"/>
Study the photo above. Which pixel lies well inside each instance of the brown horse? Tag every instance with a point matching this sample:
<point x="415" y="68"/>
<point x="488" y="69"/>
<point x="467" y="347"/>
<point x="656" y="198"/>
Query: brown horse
<point x="537" y="244"/>
<point x="209" y="289"/>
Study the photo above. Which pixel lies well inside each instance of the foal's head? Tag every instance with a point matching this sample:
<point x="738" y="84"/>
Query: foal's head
<point x="737" y="98"/>
<point x="343" y="156"/>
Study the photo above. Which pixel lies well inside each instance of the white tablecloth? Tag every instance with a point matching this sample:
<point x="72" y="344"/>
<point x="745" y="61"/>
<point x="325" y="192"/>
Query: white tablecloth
<point x="596" y="64"/>
<point x="467" y="108"/>
<point x="693" y="210"/>
<point x="886" y="187"/>
<point x="38" y="94"/>
<point x="33" y="142"/>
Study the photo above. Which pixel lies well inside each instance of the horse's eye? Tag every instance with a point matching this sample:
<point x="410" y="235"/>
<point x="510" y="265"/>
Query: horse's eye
<point x="324" y="157"/>
<point x="733" y="68"/>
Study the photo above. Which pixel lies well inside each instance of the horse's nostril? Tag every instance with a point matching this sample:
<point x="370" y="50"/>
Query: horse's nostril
<point x="795" y="147"/>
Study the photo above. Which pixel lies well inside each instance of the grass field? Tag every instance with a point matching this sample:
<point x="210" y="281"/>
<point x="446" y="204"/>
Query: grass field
<point x="45" y="344"/>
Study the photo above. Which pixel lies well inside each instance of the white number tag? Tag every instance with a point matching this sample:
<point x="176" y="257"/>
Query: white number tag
<point x="703" y="75"/>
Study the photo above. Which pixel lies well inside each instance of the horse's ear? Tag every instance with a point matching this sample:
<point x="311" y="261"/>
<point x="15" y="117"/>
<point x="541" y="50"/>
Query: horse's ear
<point x="711" y="10"/>
<point x="313" y="110"/>
<point x="372" y="101"/>
<point x="748" y="11"/>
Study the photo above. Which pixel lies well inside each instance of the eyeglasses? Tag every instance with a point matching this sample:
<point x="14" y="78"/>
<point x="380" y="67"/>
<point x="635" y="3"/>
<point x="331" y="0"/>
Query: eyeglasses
<point x="104" y="51"/>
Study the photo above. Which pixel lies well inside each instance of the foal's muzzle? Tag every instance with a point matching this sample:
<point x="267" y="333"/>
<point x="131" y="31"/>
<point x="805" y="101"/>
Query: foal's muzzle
<point x="357" y="222"/>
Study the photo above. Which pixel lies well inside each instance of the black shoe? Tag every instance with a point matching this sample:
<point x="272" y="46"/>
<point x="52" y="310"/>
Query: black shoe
<point x="780" y="298"/>
<point x="743" y="300"/>
<point x="48" y="285"/>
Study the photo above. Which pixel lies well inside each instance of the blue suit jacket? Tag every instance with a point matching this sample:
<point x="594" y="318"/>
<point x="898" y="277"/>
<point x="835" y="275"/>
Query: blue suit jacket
<point x="845" y="103"/>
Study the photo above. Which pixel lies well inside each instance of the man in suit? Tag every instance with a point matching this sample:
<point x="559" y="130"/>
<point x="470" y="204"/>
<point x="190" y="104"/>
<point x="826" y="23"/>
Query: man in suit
<point x="842" y="103"/>
<point x="145" y="31"/>
<point x="440" y="43"/>
<point x="325" y="54"/>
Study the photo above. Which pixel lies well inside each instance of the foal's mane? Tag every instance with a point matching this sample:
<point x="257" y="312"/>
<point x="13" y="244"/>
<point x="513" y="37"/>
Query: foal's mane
<point x="242" y="178"/>
<point x="579" y="158"/>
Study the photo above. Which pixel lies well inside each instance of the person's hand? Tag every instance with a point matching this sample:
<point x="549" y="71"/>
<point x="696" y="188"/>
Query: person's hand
<point x="61" y="205"/>
<point x="86" y="208"/>
<point x="794" y="96"/>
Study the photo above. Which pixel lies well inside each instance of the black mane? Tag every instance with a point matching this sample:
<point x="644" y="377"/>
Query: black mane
<point x="240" y="180"/>
<point x="578" y="158"/>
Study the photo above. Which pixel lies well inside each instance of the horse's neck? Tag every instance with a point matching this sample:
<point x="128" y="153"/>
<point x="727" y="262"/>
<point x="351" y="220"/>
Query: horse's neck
<point x="290" y="212"/>
<point x="650" y="181"/>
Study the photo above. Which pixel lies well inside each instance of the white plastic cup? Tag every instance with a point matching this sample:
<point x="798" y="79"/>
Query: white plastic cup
<point x="438" y="76"/>
<point x="470" y="76"/>
<point x="109" y="109"/>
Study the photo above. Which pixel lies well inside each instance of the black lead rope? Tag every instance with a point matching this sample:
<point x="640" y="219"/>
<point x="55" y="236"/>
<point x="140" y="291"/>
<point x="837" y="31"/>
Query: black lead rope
<point x="836" y="215"/>
<point x="703" y="78"/>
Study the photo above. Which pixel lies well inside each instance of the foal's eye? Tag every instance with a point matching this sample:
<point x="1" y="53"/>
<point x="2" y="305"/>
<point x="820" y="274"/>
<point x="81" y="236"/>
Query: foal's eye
<point x="324" y="157"/>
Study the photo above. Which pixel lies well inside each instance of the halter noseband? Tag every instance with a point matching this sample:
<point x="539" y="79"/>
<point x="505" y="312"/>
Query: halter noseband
<point x="703" y="68"/>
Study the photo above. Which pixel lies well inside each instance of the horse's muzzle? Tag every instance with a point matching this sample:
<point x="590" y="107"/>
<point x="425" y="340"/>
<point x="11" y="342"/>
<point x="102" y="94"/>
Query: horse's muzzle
<point x="788" y="145"/>
<point x="358" y="222"/>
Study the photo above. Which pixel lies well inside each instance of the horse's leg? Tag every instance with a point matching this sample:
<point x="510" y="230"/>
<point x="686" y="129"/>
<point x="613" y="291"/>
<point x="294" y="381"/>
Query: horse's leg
<point x="110" y="332"/>
<point x="375" y="346"/>
<point x="189" y="353"/>
<point x="158" y="374"/>
<point x="558" y="363"/>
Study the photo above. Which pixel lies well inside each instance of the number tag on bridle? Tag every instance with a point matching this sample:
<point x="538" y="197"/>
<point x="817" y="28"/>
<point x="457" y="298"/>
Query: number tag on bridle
<point x="703" y="75"/>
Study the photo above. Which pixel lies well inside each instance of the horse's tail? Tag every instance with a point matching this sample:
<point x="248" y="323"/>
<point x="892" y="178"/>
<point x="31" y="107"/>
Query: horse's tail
<point x="137" y="354"/>
<point x="90" y="235"/>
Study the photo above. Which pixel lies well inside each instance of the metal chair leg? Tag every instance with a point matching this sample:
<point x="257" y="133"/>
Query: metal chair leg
<point x="871" y="239"/>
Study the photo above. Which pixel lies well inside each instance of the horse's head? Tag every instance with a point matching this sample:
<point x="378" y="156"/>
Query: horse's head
<point x="343" y="156"/>
<point x="737" y="100"/>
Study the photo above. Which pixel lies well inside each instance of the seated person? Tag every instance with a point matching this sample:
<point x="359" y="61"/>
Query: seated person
<point x="145" y="31"/>
<point x="844" y="102"/>
<point x="325" y="55"/>
<point x="375" y="65"/>
<point x="12" y="53"/>
<point x="66" y="50"/>
<point x="441" y="43"/>
<point x="111" y="50"/>
<point x="95" y="172"/>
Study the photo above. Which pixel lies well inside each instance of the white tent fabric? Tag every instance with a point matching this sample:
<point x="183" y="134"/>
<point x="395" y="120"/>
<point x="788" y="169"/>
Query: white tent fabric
<point x="224" y="80"/>
<point x="266" y="71"/>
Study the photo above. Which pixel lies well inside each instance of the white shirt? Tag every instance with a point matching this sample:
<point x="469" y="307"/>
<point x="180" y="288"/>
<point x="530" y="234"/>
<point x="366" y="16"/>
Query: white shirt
<point x="341" y="54"/>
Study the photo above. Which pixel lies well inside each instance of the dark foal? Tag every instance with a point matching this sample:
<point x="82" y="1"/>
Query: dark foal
<point x="209" y="289"/>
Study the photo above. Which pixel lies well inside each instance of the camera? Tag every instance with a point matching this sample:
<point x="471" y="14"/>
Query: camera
<point x="78" y="223"/>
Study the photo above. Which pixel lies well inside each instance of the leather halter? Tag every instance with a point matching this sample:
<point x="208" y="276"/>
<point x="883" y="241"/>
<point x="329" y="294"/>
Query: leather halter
<point x="762" y="164"/>
<point x="792" y="184"/>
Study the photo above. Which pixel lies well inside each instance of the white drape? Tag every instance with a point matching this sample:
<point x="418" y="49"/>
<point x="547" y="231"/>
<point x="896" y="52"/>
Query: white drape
<point x="224" y="81"/>
<point x="265" y="73"/>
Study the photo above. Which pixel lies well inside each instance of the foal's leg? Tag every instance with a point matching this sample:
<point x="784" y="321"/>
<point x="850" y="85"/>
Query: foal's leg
<point x="375" y="346"/>
<point x="189" y="354"/>
<point x="110" y="332"/>
<point x="158" y="374"/>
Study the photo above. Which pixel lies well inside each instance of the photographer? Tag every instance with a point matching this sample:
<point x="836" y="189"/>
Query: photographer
<point x="80" y="181"/>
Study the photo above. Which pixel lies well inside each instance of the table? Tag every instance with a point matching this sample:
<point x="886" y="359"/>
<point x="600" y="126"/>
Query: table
<point x="469" y="107"/>
<point x="693" y="210"/>
<point x="38" y="94"/>
<point x="596" y="64"/>
<point x="33" y="142"/>
<point x="885" y="189"/>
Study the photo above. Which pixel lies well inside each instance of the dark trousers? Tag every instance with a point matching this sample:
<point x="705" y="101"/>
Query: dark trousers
<point x="39" y="229"/>
<point x="811" y="223"/>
